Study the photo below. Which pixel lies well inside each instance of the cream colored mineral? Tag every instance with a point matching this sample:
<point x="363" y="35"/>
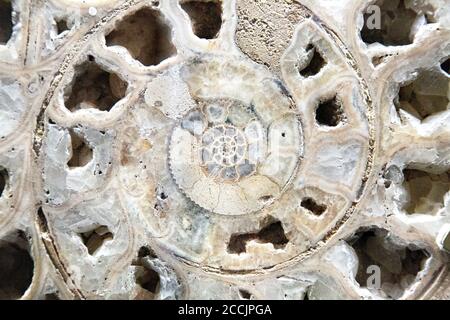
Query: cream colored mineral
<point x="224" y="149"/>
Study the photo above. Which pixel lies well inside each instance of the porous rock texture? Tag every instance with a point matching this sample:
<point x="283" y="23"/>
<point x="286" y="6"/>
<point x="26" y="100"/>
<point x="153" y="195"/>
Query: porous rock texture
<point x="234" y="149"/>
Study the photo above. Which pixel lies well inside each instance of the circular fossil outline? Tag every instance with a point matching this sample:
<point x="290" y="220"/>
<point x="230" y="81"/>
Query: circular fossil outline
<point x="79" y="45"/>
<point x="281" y="115"/>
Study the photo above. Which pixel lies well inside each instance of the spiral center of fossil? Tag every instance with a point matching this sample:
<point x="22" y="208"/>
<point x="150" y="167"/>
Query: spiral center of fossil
<point x="226" y="145"/>
<point x="224" y="148"/>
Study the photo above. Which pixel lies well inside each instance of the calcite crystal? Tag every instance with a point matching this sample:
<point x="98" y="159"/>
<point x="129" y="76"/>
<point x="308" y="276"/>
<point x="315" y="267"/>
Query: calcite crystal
<point x="224" y="149"/>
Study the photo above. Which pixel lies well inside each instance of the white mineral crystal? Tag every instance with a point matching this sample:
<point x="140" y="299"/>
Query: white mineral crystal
<point x="224" y="149"/>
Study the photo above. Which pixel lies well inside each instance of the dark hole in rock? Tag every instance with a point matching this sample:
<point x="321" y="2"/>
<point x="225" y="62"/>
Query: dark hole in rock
<point x="52" y="296"/>
<point x="146" y="252"/>
<point x="397" y="21"/>
<point x="146" y="277"/>
<point x="267" y="198"/>
<point x="425" y="190"/>
<point x="206" y="17"/>
<point x="95" y="238"/>
<point x="377" y="60"/>
<point x="4" y="177"/>
<point x="306" y="296"/>
<point x="315" y="62"/>
<point x="425" y="96"/>
<point x="61" y="25"/>
<point x="312" y="206"/>
<point x="6" y="24"/>
<point x="330" y="112"/>
<point x="163" y="196"/>
<point x="272" y="233"/>
<point x="82" y="153"/>
<point x="245" y="294"/>
<point x="445" y="66"/>
<point x="146" y="35"/>
<point x="16" y="266"/>
<point x="94" y="88"/>
<point x="238" y="243"/>
<point x="399" y="264"/>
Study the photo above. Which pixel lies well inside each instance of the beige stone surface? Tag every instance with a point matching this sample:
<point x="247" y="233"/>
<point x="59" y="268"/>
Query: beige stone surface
<point x="234" y="149"/>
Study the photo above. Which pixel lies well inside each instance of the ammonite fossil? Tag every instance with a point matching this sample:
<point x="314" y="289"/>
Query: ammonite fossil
<point x="234" y="149"/>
